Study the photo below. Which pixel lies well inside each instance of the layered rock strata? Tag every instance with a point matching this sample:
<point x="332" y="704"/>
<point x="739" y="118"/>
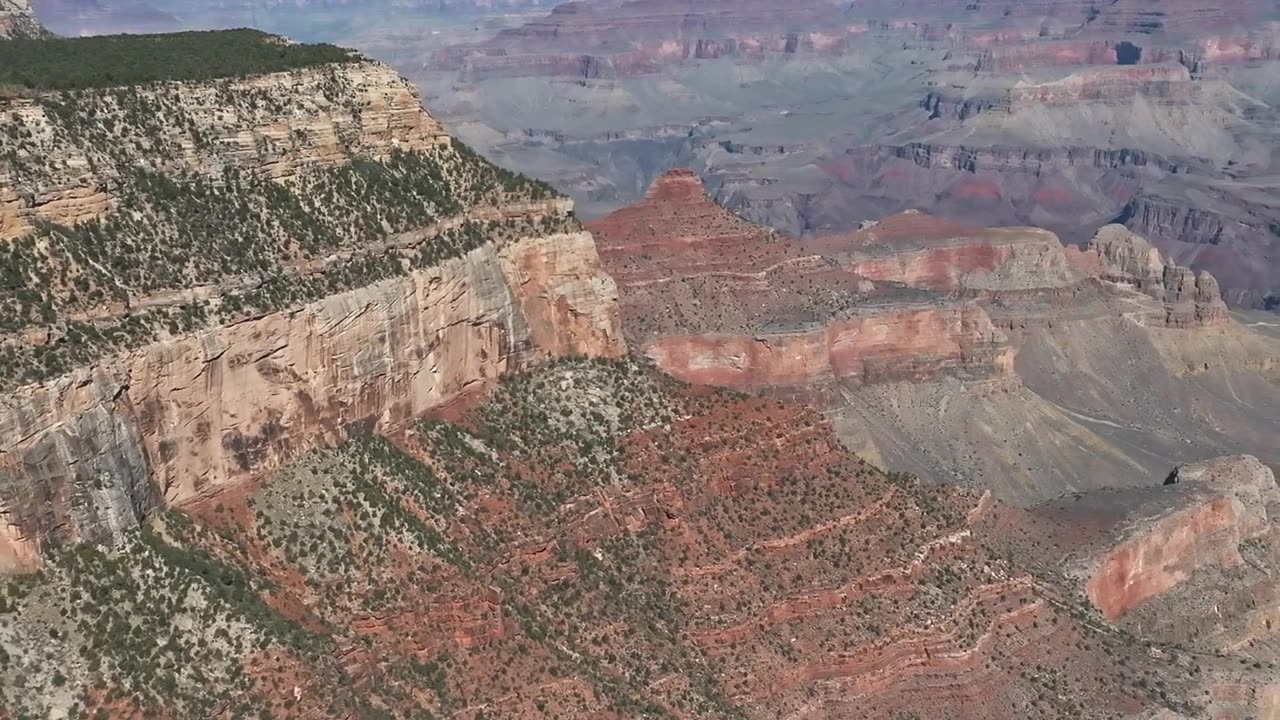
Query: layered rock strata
<point x="595" y="537"/>
<point x="398" y="314"/>
<point x="800" y="315"/>
<point x="993" y="356"/>
<point x="1189" y="298"/>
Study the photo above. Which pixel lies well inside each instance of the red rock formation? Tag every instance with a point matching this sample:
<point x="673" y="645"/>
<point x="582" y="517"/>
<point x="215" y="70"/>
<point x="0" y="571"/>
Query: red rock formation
<point x="1167" y="552"/>
<point x="901" y="343"/>
<point x="918" y="250"/>
<point x="803" y="313"/>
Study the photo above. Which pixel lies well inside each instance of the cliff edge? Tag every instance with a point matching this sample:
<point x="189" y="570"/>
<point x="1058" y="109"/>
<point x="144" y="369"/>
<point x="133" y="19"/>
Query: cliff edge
<point x="209" y="274"/>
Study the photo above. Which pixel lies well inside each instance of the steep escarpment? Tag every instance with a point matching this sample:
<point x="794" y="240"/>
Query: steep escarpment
<point x="594" y="540"/>
<point x="1190" y="563"/>
<point x="992" y="356"/>
<point x="1233" y="239"/>
<point x="1226" y="509"/>
<point x="207" y="277"/>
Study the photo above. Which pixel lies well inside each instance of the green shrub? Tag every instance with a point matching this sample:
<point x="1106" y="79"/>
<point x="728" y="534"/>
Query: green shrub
<point x="115" y="60"/>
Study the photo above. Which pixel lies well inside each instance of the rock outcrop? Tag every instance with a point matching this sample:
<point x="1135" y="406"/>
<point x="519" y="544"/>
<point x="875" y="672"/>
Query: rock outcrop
<point x="18" y="20"/>
<point x="887" y="344"/>
<point x="89" y="454"/>
<point x="1230" y="504"/>
<point x="1190" y="298"/>
<point x="371" y="315"/>
<point x="803" y="313"/>
<point x="986" y="355"/>
<point x="278" y="126"/>
<point x="922" y="251"/>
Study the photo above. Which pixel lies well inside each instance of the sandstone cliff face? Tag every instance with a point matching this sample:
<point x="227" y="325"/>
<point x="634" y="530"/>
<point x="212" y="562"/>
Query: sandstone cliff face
<point x="1168" y="83"/>
<point x="893" y="344"/>
<point x="920" y="251"/>
<point x="91" y="453"/>
<point x="395" y="312"/>
<point x="802" y="314"/>
<point x="1194" y="562"/>
<point x="272" y="126"/>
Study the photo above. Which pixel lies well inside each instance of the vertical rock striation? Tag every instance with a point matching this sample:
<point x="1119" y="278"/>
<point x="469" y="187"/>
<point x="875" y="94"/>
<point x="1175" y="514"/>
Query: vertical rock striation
<point x="390" y="320"/>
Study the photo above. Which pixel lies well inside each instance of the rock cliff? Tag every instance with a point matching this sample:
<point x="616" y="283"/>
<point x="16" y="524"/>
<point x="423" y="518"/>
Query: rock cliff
<point x="1229" y="505"/>
<point x="18" y="20"/>
<point x="367" y="269"/>
<point x="802" y="313"/>
<point x="278" y="126"/>
<point x="1189" y="298"/>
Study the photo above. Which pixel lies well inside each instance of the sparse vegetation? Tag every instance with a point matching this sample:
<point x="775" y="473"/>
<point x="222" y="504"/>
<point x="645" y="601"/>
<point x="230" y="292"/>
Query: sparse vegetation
<point x="595" y="538"/>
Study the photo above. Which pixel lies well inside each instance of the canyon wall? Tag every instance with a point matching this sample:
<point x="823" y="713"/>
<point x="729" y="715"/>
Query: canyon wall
<point x="898" y="343"/>
<point x="89" y="454"/>
<point x="393" y="317"/>
<point x="18" y="20"/>
<point x="1189" y="298"/>
<point x="997" y="356"/>
<point x="1064" y="116"/>
<point x="277" y="126"/>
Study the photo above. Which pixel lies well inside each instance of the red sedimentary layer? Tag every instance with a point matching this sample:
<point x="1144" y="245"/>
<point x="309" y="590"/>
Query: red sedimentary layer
<point x="807" y="312"/>
<point x="1163" y="556"/>
<point x="898" y="343"/>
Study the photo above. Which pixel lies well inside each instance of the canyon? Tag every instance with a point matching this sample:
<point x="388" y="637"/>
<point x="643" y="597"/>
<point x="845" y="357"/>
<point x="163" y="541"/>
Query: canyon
<point x="1060" y="115"/>
<point x="179" y="385"/>
<point x="998" y="357"/>
<point x="309" y="410"/>
<point x="590" y="540"/>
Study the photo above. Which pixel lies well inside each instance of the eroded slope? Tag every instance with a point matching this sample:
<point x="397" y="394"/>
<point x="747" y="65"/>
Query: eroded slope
<point x="597" y="540"/>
